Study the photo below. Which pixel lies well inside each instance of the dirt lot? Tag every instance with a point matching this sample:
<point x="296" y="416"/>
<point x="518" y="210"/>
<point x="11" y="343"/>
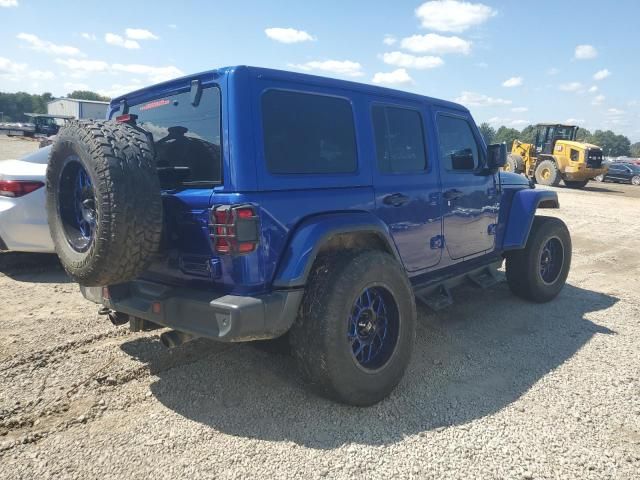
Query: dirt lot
<point x="498" y="388"/>
<point x="16" y="147"/>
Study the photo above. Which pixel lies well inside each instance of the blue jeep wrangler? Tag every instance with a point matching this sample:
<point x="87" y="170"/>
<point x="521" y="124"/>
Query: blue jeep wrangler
<point x="249" y="204"/>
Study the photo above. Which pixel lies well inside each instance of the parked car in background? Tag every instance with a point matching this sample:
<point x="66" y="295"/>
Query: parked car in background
<point x="23" y="217"/>
<point x="621" y="172"/>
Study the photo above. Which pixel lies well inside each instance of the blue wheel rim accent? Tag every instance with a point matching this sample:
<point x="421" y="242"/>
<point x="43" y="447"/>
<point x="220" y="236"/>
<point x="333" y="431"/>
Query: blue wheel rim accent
<point x="551" y="260"/>
<point x="77" y="204"/>
<point x="373" y="328"/>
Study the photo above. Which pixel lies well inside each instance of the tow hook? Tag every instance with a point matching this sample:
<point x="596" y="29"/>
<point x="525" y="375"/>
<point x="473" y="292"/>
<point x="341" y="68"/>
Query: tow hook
<point x="117" y="318"/>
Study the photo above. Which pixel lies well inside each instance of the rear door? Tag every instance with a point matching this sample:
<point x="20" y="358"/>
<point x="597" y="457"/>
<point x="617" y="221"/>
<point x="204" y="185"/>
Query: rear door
<point x="406" y="183"/>
<point x="470" y="200"/>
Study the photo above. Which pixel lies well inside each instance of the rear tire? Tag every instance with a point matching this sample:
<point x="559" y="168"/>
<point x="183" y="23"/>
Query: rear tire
<point x="576" y="184"/>
<point x="599" y="178"/>
<point x="547" y="173"/>
<point x="635" y="180"/>
<point x="539" y="271"/>
<point x="354" y="300"/>
<point x="103" y="201"/>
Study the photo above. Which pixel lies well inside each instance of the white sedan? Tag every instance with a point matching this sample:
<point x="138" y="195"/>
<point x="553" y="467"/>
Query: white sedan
<point x="23" y="216"/>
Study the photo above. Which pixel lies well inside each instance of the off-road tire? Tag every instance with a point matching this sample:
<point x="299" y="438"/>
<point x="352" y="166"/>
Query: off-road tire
<point x="576" y="183"/>
<point x="635" y="180"/>
<point x="554" y="177"/>
<point x="514" y="164"/>
<point x="119" y="161"/>
<point x="599" y="178"/>
<point x="319" y="336"/>
<point x="523" y="266"/>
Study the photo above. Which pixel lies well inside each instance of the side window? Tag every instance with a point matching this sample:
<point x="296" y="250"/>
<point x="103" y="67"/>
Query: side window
<point x="458" y="147"/>
<point x="399" y="137"/>
<point x="306" y="133"/>
<point x="574" y="155"/>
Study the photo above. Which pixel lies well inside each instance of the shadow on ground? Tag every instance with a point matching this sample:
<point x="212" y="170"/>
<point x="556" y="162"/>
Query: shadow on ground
<point x="470" y="361"/>
<point x="33" y="267"/>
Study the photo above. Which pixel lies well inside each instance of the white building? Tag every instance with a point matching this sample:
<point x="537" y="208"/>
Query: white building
<point x="79" y="109"/>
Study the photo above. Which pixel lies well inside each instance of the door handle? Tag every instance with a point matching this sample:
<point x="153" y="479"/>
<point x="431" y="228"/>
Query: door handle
<point x="396" y="199"/>
<point x="452" y="194"/>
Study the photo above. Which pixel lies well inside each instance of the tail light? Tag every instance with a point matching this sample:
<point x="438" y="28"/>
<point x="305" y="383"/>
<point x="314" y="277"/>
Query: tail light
<point x="234" y="229"/>
<point x="18" y="188"/>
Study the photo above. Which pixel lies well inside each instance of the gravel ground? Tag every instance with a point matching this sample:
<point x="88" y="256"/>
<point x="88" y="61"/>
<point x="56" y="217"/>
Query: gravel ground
<point x="16" y="147"/>
<point x="498" y="388"/>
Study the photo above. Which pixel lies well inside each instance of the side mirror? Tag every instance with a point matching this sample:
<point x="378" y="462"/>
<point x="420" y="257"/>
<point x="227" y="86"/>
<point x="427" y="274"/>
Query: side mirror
<point x="496" y="156"/>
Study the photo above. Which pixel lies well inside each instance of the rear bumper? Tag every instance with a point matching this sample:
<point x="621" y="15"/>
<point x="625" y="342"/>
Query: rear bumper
<point x="227" y="318"/>
<point x="581" y="172"/>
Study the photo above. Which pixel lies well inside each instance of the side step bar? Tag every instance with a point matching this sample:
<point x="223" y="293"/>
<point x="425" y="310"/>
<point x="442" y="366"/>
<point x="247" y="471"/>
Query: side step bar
<point x="438" y="296"/>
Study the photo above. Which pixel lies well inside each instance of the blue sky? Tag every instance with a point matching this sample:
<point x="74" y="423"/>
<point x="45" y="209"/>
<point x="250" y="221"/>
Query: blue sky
<point x="511" y="62"/>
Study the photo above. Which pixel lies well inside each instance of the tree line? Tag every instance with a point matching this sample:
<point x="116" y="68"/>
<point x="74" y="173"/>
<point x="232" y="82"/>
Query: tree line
<point x="14" y="105"/>
<point x="612" y="144"/>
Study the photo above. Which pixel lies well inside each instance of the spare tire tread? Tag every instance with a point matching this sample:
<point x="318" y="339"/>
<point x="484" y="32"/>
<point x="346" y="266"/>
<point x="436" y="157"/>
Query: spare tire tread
<point x="128" y="200"/>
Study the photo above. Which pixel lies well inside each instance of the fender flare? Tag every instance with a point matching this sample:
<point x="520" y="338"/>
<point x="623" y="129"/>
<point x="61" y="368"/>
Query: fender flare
<point x="523" y="208"/>
<point x="311" y="234"/>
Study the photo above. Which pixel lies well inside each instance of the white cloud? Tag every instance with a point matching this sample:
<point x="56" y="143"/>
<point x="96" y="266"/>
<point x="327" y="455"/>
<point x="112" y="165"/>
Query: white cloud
<point x="513" y="82"/>
<point x="585" y="52"/>
<point x="571" y="87"/>
<point x="452" y="15"/>
<point x="8" y="3"/>
<point x="41" y="75"/>
<point x="598" y="100"/>
<point x="574" y="121"/>
<point x="601" y="74"/>
<point x="155" y="74"/>
<point x="519" y="123"/>
<point x="593" y="89"/>
<point x="90" y="66"/>
<point x="119" y="41"/>
<point x="345" y="68"/>
<point x="406" y="60"/>
<point x="553" y="71"/>
<point x="397" y="77"/>
<point x="88" y="36"/>
<point x="389" y="40"/>
<point x="288" y="35"/>
<point x="120" y="89"/>
<point x="45" y="46"/>
<point x="71" y="86"/>
<point x="472" y="99"/>
<point x="519" y="109"/>
<point x="11" y="70"/>
<point x="434" y="43"/>
<point x="140" y="34"/>
<point x="173" y="26"/>
<point x="615" y="112"/>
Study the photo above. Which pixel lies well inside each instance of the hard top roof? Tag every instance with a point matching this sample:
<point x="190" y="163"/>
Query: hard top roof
<point x="165" y="87"/>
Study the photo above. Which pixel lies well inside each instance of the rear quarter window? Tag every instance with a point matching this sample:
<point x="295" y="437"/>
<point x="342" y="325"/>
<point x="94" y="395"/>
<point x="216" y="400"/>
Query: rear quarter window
<point x="308" y="133"/>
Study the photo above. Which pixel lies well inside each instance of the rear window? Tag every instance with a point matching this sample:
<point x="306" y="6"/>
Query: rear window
<point x="186" y="137"/>
<point x="399" y="140"/>
<point x="306" y="133"/>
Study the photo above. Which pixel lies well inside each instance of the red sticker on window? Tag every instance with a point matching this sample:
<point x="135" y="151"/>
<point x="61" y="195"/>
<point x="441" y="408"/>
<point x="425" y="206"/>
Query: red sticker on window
<point x="155" y="104"/>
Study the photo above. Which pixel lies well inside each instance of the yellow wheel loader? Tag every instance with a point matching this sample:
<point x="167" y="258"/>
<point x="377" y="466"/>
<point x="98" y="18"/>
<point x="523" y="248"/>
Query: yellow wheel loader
<point x="556" y="156"/>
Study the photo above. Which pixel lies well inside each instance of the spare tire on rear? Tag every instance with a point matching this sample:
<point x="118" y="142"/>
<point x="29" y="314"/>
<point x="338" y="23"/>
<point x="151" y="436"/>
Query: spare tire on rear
<point x="103" y="201"/>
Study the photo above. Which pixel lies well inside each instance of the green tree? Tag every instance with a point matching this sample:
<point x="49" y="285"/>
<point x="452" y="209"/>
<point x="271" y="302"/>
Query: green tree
<point x="528" y="134"/>
<point x="583" y="135"/>
<point x="635" y="149"/>
<point x="612" y="145"/>
<point x="506" y="135"/>
<point x="488" y="132"/>
<point x="87" y="95"/>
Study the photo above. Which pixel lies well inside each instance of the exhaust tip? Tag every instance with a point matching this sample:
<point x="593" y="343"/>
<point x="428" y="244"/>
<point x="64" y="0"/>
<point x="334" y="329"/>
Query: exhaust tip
<point x="118" y="318"/>
<point x="174" y="338"/>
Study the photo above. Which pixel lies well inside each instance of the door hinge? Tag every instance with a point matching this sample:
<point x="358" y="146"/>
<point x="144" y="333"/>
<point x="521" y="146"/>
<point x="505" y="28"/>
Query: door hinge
<point x="437" y="242"/>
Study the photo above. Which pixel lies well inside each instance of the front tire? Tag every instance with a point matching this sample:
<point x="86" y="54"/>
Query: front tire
<point x="599" y="178"/>
<point x="539" y="271"/>
<point x="635" y="180"/>
<point x="547" y="173"/>
<point x="356" y="327"/>
<point x="576" y="183"/>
